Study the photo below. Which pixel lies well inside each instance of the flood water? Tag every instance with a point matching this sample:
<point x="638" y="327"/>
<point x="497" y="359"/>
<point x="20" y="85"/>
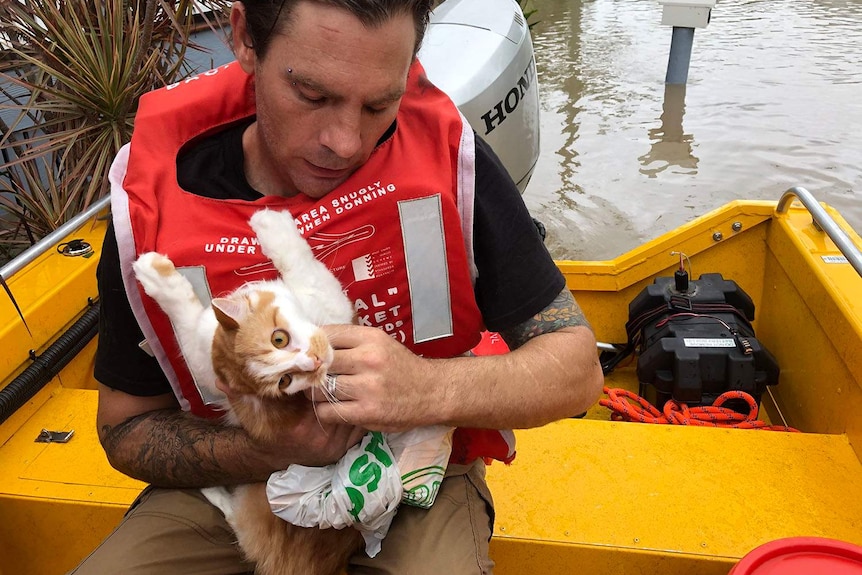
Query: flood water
<point x="773" y="100"/>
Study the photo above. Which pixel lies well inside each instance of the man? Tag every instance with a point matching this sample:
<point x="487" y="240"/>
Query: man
<point x="326" y="114"/>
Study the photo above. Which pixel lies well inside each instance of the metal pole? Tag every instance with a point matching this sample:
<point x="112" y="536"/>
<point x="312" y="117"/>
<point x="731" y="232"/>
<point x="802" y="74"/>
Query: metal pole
<point x="51" y="239"/>
<point x="824" y="221"/>
<point x="680" y="55"/>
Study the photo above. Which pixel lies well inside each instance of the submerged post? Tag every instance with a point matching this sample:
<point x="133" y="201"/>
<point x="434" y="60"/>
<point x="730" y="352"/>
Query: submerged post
<point x="684" y="16"/>
<point x="680" y="55"/>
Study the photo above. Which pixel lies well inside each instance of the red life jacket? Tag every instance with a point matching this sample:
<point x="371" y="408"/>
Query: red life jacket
<point x="393" y="233"/>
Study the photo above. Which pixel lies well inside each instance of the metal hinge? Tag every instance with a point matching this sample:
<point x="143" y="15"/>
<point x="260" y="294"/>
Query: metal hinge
<point x="46" y="436"/>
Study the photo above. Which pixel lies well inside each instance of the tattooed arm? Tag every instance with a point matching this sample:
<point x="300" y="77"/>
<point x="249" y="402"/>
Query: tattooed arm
<point x="562" y="366"/>
<point x="552" y="372"/>
<point x="151" y="439"/>
<point x="561" y="313"/>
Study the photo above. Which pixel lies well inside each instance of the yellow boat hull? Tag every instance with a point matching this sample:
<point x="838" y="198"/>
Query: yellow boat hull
<point x="588" y="494"/>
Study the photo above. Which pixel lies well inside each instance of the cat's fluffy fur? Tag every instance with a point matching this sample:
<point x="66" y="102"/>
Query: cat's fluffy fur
<point x="262" y="341"/>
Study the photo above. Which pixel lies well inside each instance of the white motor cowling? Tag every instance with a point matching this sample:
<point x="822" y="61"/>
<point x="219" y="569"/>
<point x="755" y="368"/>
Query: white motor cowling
<point x="480" y="53"/>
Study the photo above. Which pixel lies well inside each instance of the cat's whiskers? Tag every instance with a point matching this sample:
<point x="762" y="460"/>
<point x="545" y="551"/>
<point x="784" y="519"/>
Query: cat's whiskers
<point x="314" y="409"/>
<point x="328" y="394"/>
<point x="330" y="398"/>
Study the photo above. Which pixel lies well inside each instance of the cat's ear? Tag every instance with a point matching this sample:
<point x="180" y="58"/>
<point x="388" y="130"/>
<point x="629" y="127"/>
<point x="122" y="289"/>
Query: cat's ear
<point x="230" y="312"/>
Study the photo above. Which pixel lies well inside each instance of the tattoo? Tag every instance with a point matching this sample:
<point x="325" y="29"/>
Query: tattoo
<point x="564" y="311"/>
<point x="169" y="448"/>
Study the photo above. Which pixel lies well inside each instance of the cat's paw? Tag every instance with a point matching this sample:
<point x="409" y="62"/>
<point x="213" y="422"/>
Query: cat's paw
<point x="222" y="499"/>
<point x="152" y="268"/>
<point x="163" y="282"/>
<point x="274" y="227"/>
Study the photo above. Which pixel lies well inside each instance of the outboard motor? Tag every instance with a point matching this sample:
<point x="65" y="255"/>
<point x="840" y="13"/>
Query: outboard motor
<point x="480" y="53"/>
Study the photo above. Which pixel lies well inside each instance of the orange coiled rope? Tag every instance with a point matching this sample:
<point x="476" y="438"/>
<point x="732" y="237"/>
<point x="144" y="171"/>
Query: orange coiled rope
<point x="620" y="403"/>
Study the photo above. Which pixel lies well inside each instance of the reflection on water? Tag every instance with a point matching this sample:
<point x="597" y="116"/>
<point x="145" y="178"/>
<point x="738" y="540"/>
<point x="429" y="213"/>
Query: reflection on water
<point x="670" y="146"/>
<point x="772" y="101"/>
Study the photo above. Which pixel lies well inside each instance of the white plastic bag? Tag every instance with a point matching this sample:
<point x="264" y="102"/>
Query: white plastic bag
<point x="422" y="455"/>
<point x="363" y="489"/>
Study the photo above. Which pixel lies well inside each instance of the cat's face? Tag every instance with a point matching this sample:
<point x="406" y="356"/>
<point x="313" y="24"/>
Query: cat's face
<point x="278" y="351"/>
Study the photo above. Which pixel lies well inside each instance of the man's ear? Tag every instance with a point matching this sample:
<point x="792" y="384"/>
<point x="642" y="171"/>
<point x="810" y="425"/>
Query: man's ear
<point x="243" y="47"/>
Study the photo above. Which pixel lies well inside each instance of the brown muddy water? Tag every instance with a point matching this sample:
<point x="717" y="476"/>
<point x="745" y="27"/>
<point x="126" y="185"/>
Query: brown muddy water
<point x="773" y="100"/>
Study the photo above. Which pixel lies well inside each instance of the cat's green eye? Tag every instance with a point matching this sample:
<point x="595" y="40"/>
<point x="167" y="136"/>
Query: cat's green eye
<point x="279" y="338"/>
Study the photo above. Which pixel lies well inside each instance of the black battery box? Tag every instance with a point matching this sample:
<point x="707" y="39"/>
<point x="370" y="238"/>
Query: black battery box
<point x="695" y="341"/>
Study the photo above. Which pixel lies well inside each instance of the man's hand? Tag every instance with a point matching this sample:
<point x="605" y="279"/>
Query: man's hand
<point x="309" y="441"/>
<point x="551" y="372"/>
<point x="381" y="384"/>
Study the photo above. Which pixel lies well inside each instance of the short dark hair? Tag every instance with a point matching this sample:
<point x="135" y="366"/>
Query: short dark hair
<point x="264" y="17"/>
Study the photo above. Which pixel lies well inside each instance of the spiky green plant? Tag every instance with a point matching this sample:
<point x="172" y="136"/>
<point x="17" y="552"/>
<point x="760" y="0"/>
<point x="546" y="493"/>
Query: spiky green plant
<point x="529" y="11"/>
<point x="73" y="71"/>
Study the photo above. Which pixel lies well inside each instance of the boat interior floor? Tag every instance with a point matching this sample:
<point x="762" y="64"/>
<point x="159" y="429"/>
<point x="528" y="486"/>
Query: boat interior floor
<point x="614" y="497"/>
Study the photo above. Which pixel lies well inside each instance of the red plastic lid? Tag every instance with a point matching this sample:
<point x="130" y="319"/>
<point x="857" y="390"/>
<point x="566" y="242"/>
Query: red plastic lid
<point x="802" y="556"/>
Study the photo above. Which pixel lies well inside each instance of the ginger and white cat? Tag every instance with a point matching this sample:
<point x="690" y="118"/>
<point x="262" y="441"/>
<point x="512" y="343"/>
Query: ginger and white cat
<point x="263" y="342"/>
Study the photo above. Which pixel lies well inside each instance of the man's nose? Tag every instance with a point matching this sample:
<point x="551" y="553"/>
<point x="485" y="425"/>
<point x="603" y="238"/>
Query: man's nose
<point x="342" y="134"/>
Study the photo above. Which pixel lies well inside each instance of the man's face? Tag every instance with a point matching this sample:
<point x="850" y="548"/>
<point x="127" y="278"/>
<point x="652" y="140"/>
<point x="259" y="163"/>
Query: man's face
<point x="327" y="89"/>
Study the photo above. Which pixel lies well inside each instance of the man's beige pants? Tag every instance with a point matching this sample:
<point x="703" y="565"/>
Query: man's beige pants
<point x="178" y="532"/>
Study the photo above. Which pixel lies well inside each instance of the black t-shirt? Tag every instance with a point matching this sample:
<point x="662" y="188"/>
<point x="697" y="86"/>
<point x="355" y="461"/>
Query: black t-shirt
<point x="517" y="277"/>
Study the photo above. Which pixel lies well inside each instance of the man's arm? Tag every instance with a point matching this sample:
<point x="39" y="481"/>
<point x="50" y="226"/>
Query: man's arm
<point x="552" y="372"/>
<point x="151" y="439"/>
<point x="147" y="436"/>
